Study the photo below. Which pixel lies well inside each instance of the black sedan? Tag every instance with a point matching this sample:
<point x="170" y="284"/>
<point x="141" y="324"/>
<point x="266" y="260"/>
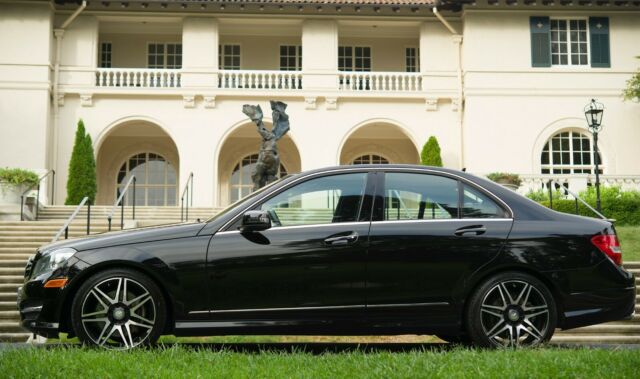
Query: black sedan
<point x="357" y="250"/>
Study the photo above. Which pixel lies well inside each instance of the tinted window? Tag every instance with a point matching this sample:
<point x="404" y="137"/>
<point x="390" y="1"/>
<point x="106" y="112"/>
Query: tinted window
<point x="324" y="200"/>
<point x="475" y="204"/>
<point x="419" y="197"/>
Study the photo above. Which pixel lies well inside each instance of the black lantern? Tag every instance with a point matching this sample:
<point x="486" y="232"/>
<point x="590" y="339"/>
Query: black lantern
<point x="593" y="112"/>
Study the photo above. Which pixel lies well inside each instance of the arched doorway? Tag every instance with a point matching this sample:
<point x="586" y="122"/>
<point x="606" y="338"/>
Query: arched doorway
<point x="143" y="149"/>
<point x="379" y="143"/>
<point x="238" y="155"/>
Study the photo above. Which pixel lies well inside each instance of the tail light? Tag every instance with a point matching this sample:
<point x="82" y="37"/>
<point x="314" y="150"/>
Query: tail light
<point x="609" y="245"/>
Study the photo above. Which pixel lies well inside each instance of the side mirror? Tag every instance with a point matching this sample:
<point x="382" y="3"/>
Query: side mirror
<point x="255" y="221"/>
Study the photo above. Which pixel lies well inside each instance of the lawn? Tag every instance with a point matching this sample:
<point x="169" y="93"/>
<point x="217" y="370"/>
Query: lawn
<point x="292" y="361"/>
<point x="630" y="242"/>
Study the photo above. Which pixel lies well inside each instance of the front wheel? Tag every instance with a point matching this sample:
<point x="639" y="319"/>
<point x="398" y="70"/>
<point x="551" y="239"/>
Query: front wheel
<point x="511" y="309"/>
<point x="118" y="309"/>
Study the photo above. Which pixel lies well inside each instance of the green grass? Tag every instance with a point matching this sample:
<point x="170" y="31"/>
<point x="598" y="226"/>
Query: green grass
<point x="193" y="362"/>
<point x="630" y="242"/>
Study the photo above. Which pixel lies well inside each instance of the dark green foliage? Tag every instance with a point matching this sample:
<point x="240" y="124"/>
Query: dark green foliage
<point x="430" y="155"/>
<point x="505" y="178"/>
<point x="622" y="206"/>
<point x="82" y="169"/>
<point x="18" y="177"/>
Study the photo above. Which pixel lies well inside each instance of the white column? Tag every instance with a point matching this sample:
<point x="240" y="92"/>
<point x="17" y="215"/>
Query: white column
<point x="320" y="54"/>
<point x="200" y="52"/>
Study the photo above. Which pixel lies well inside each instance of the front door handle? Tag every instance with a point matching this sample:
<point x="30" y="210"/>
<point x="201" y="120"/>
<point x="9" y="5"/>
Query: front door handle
<point x="475" y="229"/>
<point x="342" y="240"/>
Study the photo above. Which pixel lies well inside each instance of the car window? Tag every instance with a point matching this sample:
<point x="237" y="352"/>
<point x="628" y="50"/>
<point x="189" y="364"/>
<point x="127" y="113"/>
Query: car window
<point x="476" y="204"/>
<point x="324" y="200"/>
<point x="420" y="197"/>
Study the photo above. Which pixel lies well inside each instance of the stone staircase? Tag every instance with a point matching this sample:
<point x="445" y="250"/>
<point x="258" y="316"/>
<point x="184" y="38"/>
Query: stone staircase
<point x="19" y="240"/>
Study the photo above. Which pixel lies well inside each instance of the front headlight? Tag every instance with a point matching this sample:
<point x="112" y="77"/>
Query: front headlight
<point x="51" y="260"/>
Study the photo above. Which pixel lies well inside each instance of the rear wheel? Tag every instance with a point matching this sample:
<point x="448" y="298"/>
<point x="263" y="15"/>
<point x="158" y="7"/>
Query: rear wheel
<point x="118" y="309"/>
<point x="511" y="309"/>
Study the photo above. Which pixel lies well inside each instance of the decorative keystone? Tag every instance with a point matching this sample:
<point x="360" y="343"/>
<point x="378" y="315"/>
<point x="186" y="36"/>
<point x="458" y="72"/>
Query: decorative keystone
<point x="86" y="99"/>
<point x="331" y="103"/>
<point x="189" y="101"/>
<point x="431" y="104"/>
<point x="210" y="102"/>
<point x="310" y="102"/>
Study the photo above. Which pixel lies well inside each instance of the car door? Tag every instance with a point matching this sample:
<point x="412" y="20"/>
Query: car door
<point x="309" y="266"/>
<point x="429" y="232"/>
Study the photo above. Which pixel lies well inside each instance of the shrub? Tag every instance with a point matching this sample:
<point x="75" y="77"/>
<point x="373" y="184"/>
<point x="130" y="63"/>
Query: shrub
<point x="623" y="206"/>
<point x="82" y="169"/>
<point x="505" y="177"/>
<point x="542" y="195"/>
<point x="430" y="155"/>
<point x="18" y="177"/>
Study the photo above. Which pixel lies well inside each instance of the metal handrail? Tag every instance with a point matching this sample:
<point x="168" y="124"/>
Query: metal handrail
<point x="65" y="227"/>
<point x="119" y="201"/>
<point x="184" y="209"/>
<point x="576" y="197"/>
<point x="40" y="179"/>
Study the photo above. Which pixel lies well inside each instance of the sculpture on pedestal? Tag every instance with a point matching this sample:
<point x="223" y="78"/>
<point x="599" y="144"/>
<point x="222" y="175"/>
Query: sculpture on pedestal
<point x="266" y="169"/>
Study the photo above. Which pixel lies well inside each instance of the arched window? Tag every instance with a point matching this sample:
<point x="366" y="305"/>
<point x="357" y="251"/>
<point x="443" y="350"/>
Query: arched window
<point x="156" y="180"/>
<point x="240" y="183"/>
<point x="370" y="159"/>
<point x="568" y="153"/>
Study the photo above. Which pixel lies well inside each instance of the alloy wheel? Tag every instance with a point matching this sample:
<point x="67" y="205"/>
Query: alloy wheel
<point x="514" y="313"/>
<point x="118" y="313"/>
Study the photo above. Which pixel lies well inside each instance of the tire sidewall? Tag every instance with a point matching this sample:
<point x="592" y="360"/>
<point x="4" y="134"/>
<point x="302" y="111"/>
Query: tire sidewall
<point x="473" y="314"/>
<point x="150" y="285"/>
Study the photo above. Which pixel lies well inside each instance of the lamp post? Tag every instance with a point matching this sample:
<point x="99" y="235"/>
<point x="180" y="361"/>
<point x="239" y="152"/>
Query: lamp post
<point x="593" y="113"/>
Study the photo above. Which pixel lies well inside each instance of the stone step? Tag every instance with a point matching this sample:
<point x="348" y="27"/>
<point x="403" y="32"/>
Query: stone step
<point x="12" y="279"/>
<point x="9" y="287"/>
<point x="595" y="338"/>
<point x="11" y="327"/>
<point x="630" y="329"/>
<point x="23" y="244"/>
<point x="12" y="314"/>
<point x="8" y="271"/>
<point x="10" y="256"/>
<point x="8" y="306"/>
<point x="13" y="263"/>
<point x="14" y="337"/>
<point x="8" y="296"/>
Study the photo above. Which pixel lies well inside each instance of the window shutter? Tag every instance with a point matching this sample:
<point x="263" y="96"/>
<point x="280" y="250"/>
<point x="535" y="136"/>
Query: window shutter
<point x="540" y="42"/>
<point x="599" y="35"/>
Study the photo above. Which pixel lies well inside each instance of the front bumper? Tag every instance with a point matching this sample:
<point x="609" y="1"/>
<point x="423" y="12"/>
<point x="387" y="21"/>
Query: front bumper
<point x="41" y="309"/>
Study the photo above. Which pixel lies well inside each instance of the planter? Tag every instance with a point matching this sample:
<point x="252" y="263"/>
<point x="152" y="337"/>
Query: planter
<point x="10" y="193"/>
<point x="10" y="201"/>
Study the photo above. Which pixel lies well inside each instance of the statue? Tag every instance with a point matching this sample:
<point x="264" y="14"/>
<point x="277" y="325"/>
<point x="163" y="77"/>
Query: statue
<point x="268" y="160"/>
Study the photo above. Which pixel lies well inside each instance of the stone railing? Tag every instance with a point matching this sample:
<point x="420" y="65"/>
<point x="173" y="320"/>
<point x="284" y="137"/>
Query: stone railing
<point x="578" y="182"/>
<point x="137" y="78"/>
<point x="260" y="79"/>
<point x="380" y="81"/>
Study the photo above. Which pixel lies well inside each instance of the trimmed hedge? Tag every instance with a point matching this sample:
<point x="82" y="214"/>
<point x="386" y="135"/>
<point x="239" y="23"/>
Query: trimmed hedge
<point x="82" y="169"/>
<point x="430" y="155"/>
<point x="626" y="211"/>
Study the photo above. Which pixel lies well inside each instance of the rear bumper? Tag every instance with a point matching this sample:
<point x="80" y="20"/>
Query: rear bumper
<point x="600" y="306"/>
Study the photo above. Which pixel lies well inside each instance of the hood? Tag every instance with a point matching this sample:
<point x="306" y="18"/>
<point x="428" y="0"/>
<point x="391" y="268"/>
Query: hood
<point x="129" y="236"/>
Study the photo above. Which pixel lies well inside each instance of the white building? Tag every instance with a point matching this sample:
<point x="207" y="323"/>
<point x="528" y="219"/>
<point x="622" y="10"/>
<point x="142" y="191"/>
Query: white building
<point x="160" y="86"/>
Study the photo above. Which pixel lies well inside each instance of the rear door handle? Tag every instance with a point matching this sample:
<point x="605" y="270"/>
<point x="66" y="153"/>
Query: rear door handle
<point x="342" y="240"/>
<point x="475" y="229"/>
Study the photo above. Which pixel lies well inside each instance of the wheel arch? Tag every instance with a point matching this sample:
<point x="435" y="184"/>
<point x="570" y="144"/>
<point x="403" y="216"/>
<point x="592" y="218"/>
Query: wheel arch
<point x="84" y="275"/>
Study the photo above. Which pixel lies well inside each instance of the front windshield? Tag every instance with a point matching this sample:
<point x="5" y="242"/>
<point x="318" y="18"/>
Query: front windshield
<point x="246" y="198"/>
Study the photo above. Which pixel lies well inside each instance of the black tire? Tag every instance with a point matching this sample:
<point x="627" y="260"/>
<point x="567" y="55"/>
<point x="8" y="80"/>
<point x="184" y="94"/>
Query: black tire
<point x="102" y="316"/>
<point x="511" y="309"/>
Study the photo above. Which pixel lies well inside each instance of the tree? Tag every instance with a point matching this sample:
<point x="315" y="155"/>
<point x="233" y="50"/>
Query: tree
<point x="82" y="169"/>
<point x="632" y="92"/>
<point x="430" y="155"/>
